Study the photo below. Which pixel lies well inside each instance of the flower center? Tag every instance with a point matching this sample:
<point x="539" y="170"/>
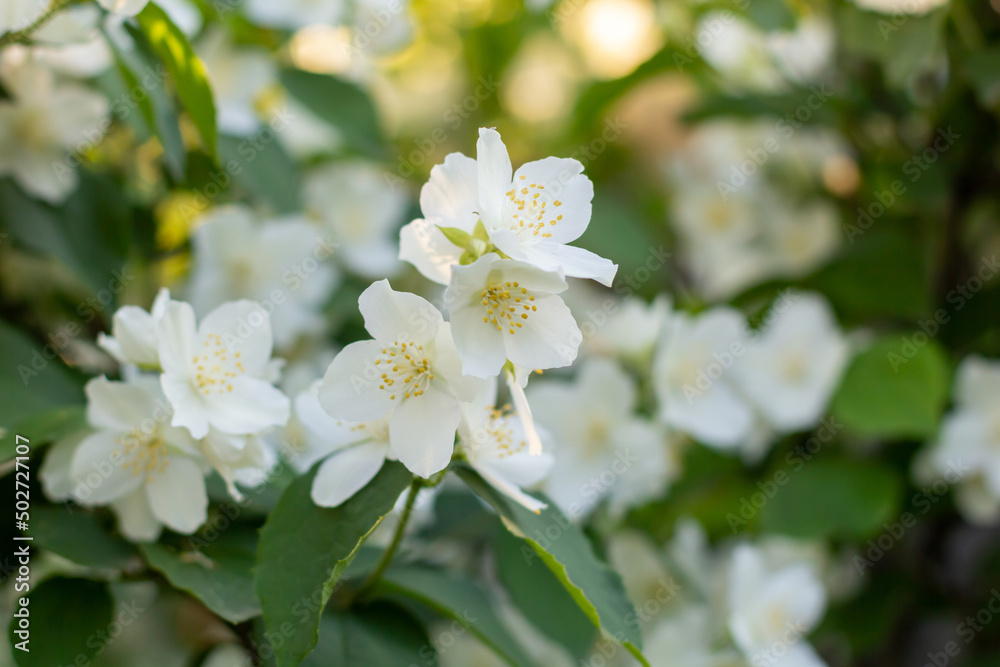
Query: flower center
<point x="532" y="214"/>
<point x="495" y="436"/>
<point x="407" y="369"/>
<point x="144" y="453"/>
<point x="216" y="366"/>
<point x="507" y="305"/>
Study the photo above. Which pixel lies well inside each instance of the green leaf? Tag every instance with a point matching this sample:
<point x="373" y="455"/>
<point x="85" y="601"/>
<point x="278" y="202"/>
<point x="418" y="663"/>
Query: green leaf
<point x="304" y="549"/>
<point x="219" y="573"/>
<point x="541" y="598"/>
<point x="78" y="536"/>
<point x="459" y="598"/>
<point x="44" y="428"/>
<point x="30" y="382"/>
<point x="187" y="71"/>
<point x="65" y="618"/>
<point x="897" y="388"/>
<point x="564" y="549"/>
<point x="833" y="499"/>
<point x="378" y="635"/>
<point x="340" y="103"/>
<point x="270" y="174"/>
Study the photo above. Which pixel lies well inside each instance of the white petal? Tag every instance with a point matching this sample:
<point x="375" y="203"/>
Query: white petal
<point x="422" y="431"/>
<point x="135" y="331"/>
<point x="177" y="495"/>
<point x="424" y="246"/>
<point x="571" y="261"/>
<point x="350" y="388"/>
<point x="451" y="194"/>
<point x="251" y="405"/>
<point x="244" y="327"/>
<point x="479" y="344"/>
<point x="563" y="181"/>
<point x="97" y="470"/>
<point x="55" y="473"/>
<point x="117" y="405"/>
<point x="549" y="338"/>
<point x="493" y="173"/>
<point x="190" y="411"/>
<point x="717" y="417"/>
<point x="448" y="365"/>
<point x="346" y="472"/>
<point x="135" y="518"/>
<point x="523" y="410"/>
<point x="510" y="490"/>
<point x="398" y="316"/>
<point x="176" y="333"/>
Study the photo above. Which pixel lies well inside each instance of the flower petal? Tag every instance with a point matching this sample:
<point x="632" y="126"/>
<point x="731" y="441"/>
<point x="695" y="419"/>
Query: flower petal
<point x="571" y="261"/>
<point x="249" y="405"/>
<point x="566" y="191"/>
<point x="350" y="388"/>
<point x="119" y="406"/>
<point x="479" y="344"/>
<point x="424" y="246"/>
<point x="451" y="194"/>
<point x="422" y="431"/>
<point x="135" y="331"/>
<point x="494" y="175"/>
<point x="190" y="411"/>
<point x="244" y="327"/>
<point x="510" y="490"/>
<point x="177" y="495"/>
<point x="398" y="316"/>
<point x="550" y="337"/>
<point x="97" y="471"/>
<point x="346" y="472"/>
<point x="176" y="333"/>
<point x="135" y="518"/>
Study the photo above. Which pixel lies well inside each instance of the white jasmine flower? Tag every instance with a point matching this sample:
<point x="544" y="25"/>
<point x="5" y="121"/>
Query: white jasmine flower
<point x="281" y="263"/>
<point x="502" y="309"/>
<point x="495" y="443"/>
<point x="293" y="14"/>
<point x="693" y="378"/>
<point x="39" y="122"/>
<point x="133" y="338"/>
<point x="967" y="450"/>
<point x="794" y="364"/>
<point x="411" y="369"/>
<point x="529" y="216"/>
<point x="138" y="456"/>
<point x="772" y="610"/>
<point x="238" y="458"/>
<point x="599" y="442"/>
<point x="362" y="213"/>
<point x="354" y="451"/>
<point x="214" y="375"/>
<point x="630" y="331"/>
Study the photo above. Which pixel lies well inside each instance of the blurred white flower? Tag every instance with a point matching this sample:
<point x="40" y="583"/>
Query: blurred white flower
<point x="282" y="263"/>
<point x="738" y="49"/>
<point x="383" y="26"/>
<point x="246" y="459"/>
<point x="806" y="53"/>
<point x="967" y="450"/>
<point x="771" y="610"/>
<point x="71" y="43"/>
<point x="600" y="443"/>
<point x="217" y="375"/>
<point x="411" y="369"/>
<point x="529" y="215"/>
<point x="903" y="7"/>
<point x="137" y="458"/>
<point x="133" y="338"/>
<point x="686" y="639"/>
<point x="496" y="446"/>
<point x="361" y="211"/>
<point x="794" y="363"/>
<point x="354" y="451"/>
<point x="239" y="78"/>
<point x="694" y="380"/>
<point x="631" y="330"/>
<point x="40" y="121"/>
<point x="292" y="14"/>
<point x="501" y="309"/>
<point x="19" y="14"/>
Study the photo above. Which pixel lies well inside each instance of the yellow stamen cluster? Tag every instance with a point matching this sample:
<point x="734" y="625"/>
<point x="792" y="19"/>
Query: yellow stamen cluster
<point x="406" y="364"/>
<point x="498" y="431"/>
<point x="506" y="304"/>
<point x="531" y="214"/>
<point x="216" y="367"/>
<point x="144" y="453"/>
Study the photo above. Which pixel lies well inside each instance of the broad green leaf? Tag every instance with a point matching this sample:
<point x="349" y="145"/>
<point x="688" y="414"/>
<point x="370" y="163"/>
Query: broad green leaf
<point x="304" y="549"/>
<point x="44" y="428"/>
<point x="460" y="599"/>
<point x="554" y="540"/>
<point x="219" y="573"/>
<point x="897" y="388"/>
<point x="65" y="617"/>
<point x="269" y="174"/>
<point x="833" y="499"/>
<point x="378" y="635"/>
<point x="340" y="103"/>
<point x="541" y="597"/>
<point x="186" y="70"/>
<point x="77" y="535"/>
<point x="31" y="382"/>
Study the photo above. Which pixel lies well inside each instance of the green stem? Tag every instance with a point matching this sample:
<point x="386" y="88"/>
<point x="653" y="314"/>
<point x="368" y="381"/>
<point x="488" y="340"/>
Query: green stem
<point x="397" y="537"/>
<point x="23" y="35"/>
